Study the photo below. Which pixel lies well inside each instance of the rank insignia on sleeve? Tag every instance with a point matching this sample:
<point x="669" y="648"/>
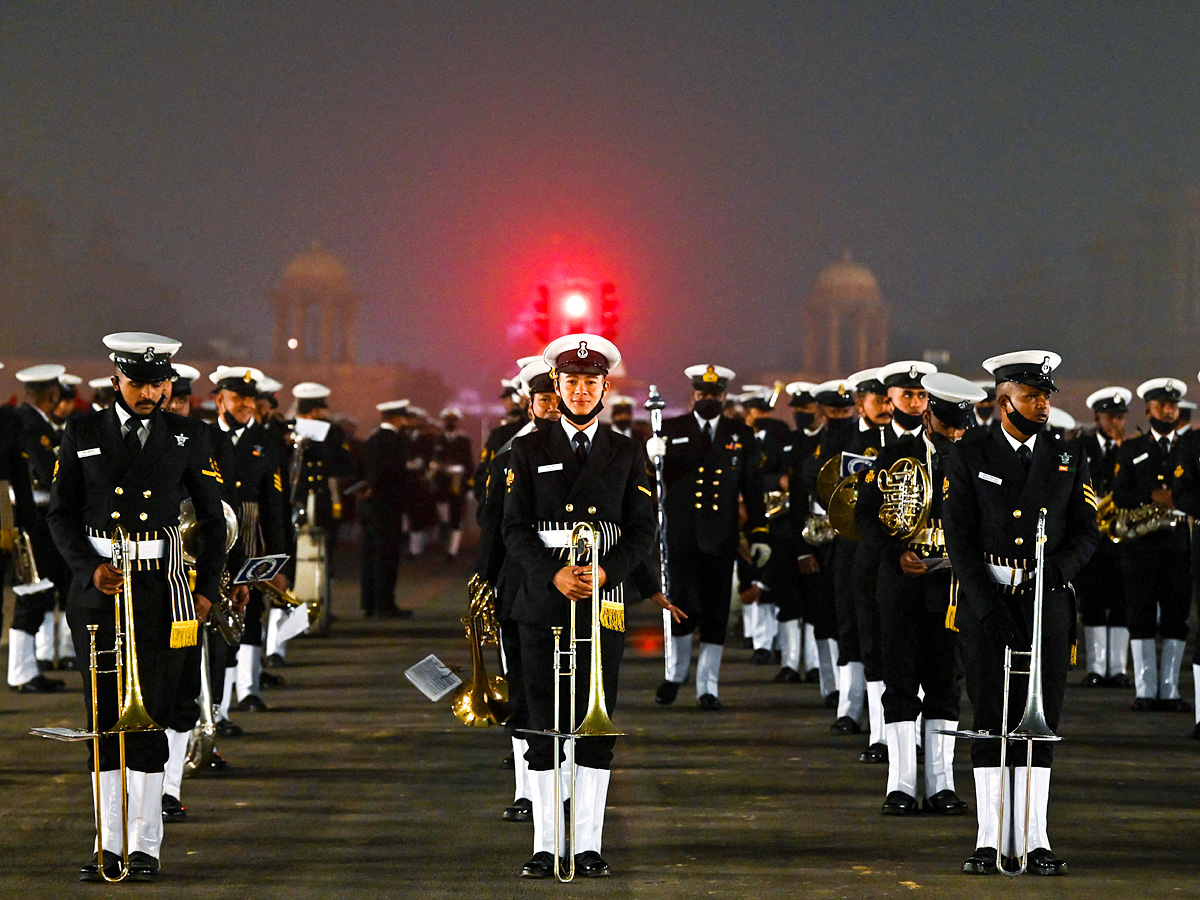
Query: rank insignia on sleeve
<point x="1178" y="471"/>
<point x="45" y="440"/>
<point x="870" y="476"/>
<point x="278" y="482"/>
<point x="512" y="476"/>
<point x="215" y="471"/>
<point x="817" y="452"/>
<point x="1116" y="469"/>
<point x="645" y="490"/>
<point x="54" y="477"/>
<point x="945" y="487"/>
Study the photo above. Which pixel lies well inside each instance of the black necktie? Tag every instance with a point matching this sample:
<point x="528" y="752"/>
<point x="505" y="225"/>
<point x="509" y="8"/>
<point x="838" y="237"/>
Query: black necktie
<point x="131" y="437"/>
<point x="706" y="437"/>
<point x="1165" y="444"/>
<point x="1025" y="455"/>
<point x="581" y="447"/>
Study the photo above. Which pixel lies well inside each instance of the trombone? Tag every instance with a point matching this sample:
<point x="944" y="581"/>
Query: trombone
<point x="1032" y="726"/>
<point x="133" y="715"/>
<point x="595" y="722"/>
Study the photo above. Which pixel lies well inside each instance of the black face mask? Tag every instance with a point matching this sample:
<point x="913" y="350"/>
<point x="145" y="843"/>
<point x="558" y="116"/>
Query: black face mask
<point x="575" y="418"/>
<point x="1162" y="426"/>
<point x="543" y="424"/>
<point x="622" y="424"/>
<point x="841" y="426"/>
<point x="985" y="412"/>
<point x="907" y="421"/>
<point x="707" y="407"/>
<point x="804" y="419"/>
<point x="1027" y="427"/>
<point x="125" y="406"/>
<point x="234" y="424"/>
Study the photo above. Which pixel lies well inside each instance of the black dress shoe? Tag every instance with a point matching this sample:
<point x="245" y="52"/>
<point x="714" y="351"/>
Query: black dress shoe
<point x="39" y="684"/>
<point x="981" y="862"/>
<point x="667" y="692"/>
<point x="875" y="753"/>
<point x="269" y="680"/>
<point x="540" y="865"/>
<point x="274" y="661"/>
<point x="520" y="811"/>
<point x="845" y="725"/>
<point x="218" y="763"/>
<point x="709" y="703"/>
<point x="70" y="664"/>
<point x="944" y="803"/>
<point x="1120" y="680"/>
<point x="91" y="869"/>
<point x="747" y="643"/>
<point x="812" y="676"/>
<point x="787" y="675"/>
<point x="1091" y="679"/>
<point x="1144" y="704"/>
<point x="227" y="729"/>
<point x="142" y="866"/>
<point x="590" y="864"/>
<point x="1196" y="732"/>
<point x="760" y="657"/>
<point x="172" y="809"/>
<point x="1176" y="705"/>
<point x="1043" y="862"/>
<point x="920" y="753"/>
<point x="45" y="665"/>
<point x="831" y="700"/>
<point x="898" y="803"/>
<point x="251" y="703"/>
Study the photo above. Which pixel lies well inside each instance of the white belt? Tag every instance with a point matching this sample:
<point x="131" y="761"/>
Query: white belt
<point x="41" y="498"/>
<point x="137" y="549"/>
<point x="1007" y="575"/>
<point x="555" y="539"/>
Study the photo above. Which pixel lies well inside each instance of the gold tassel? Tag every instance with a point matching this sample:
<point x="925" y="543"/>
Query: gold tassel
<point x="1075" y="653"/>
<point x="192" y="580"/>
<point x="183" y="634"/>
<point x="952" y="608"/>
<point x="612" y="615"/>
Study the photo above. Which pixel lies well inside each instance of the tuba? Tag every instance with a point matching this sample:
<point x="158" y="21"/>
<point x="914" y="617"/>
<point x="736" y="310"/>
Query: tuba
<point x="907" y="497"/>
<point x="203" y="737"/>
<point x="1119" y="525"/>
<point x="482" y="701"/>
<point x="229" y="621"/>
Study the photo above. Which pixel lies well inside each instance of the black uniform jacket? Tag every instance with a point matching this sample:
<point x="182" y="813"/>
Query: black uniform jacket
<point x="1100" y="463"/>
<point x="383" y="460"/>
<point x="703" y="488"/>
<point x="545" y="483"/>
<point x="1186" y="474"/>
<point x="40" y="442"/>
<point x="259" y="456"/>
<point x="498" y="437"/>
<point x="99" y="485"/>
<point x="991" y="509"/>
<point x="1141" y="469"/>
<point x="14" y="469"/>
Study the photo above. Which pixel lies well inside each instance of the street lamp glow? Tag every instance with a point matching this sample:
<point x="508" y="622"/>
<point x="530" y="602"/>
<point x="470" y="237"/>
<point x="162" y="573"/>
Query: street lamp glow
<point x="575" y="305"/>
<point x="293" y="343"/>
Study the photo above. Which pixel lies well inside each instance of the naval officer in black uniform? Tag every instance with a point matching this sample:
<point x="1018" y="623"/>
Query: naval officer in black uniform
<point x="999" y="480"/>
<point x="130" y="466"/>
<point x="572" y="472"/>
<point x="711" y="463"/>
<point x="916" y="643"/>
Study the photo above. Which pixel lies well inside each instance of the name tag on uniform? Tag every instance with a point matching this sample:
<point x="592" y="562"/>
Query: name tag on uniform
<point x="681" y="440"/>
<point x="553" y="467"/>
<point x="1142" y="458"/>
<point x="84" y="454"/>
<point x="787" y="448"/>
<point x="992" y="478"/>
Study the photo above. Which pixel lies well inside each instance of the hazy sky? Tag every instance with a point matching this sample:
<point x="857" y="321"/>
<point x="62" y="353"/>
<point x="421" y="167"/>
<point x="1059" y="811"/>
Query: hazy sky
<point x="708" y="158"/>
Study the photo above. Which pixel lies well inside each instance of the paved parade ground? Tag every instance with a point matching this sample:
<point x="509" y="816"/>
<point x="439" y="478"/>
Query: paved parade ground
<point x="354" y="785"/>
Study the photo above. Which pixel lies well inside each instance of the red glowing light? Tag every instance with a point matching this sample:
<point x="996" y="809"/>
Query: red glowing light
<point x="575" y="305"/>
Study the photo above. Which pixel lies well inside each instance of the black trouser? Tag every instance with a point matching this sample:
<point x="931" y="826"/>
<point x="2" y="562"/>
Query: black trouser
<point x="252" y="634"/>
<point x="159" y="671"/>
<point x="222" y="656"/>
<point x="866" y="611"/>
<point x="917" y="649"/>
<point x="1158" y="583"/>
<point x="844" y="552"/>
<point x="185" y="709"/>
<point x="381" y="539"/>
<point x="701" y="585"/>
<point x="983" y="664"/>
<point x="817" y="594"/>
<point x="537" y="659"/>
<point x="518" y="707"/>
<point x="1101" y="588"/>
<point x="29" y="611"/>
<point x="787" y="590"/>
<point x="455" y="502"/>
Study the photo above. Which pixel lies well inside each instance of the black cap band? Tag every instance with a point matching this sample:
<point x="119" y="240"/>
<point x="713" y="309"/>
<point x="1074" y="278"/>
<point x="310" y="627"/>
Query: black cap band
<point x="146" y="368"/>
<point x="541" y="384"/>
<point x="238" y="385"/>
<point x="951" y="414"/>
<point x="182" y="387"/>
<point x="1029" y="374"/>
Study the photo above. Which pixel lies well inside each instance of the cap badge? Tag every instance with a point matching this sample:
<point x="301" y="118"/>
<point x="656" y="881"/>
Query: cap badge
<point x="1046" y="365"/>
<point x="912" y="372"/>
<point x="965" y="404"/>
<point x="148" y="356"/>
<point x="842" y="392"/>
<point x="181" y="439"/>
<point x="247" y="377"/>
<point x="582" y="352"/>
<point x="710" y="375"/>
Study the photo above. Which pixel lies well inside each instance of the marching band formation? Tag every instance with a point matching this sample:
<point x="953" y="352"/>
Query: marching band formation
<point x="913" y="531"/>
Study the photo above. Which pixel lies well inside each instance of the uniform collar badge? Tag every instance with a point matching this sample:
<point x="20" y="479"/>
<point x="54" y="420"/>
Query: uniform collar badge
<point x="182" y="439"/>
<point x="1065" y="458"/>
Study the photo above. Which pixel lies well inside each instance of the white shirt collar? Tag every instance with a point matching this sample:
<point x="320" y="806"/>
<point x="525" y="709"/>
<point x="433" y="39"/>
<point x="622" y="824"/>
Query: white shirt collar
<point x="389" y="427"/>
<point x="124" y="417"/>
<point x="700" y="421"/>
<point x="1014" y="443"/>
<point x="225" y="426"/>
<point x="900" y="432"/>
<point x="571" y="430"/>
<point x="1171" y="436"/>
<point x="864" y="425"/>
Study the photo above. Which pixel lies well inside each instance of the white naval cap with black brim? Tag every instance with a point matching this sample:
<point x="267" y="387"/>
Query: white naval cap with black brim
<point x="1032" y="368"/>
<point x="582" y="354"/>
<point x="837" y="392"/>
<point x="44" y="375"/>
<point x="867" y="381"/>
<point x="1162" y="389"/>
<point x="1112" y="399"/>
<point x="801" y="393"/>
<point x="709" y="379"/>
<point x="905" y="373"/>
<point x="241" y="380"/>
<point x="143" y="356"/>
<point x="184" y="376"/>
<point x="952" y="399"/>
<point x="535" y="377"/>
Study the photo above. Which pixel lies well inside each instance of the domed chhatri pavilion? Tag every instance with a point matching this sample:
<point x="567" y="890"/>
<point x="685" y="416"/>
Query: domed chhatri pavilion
<point x="845" y="320"/>
<point x="316" y="306"/>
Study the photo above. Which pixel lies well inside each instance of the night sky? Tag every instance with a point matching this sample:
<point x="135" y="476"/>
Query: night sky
<point x="708" y="158"/>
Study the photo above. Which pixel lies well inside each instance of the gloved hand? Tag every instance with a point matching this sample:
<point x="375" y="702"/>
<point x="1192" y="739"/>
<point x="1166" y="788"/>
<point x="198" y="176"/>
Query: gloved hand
<point x="760" y="554"/>
<point x="656" y="447"/>
<point x="1000" y="623"/>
